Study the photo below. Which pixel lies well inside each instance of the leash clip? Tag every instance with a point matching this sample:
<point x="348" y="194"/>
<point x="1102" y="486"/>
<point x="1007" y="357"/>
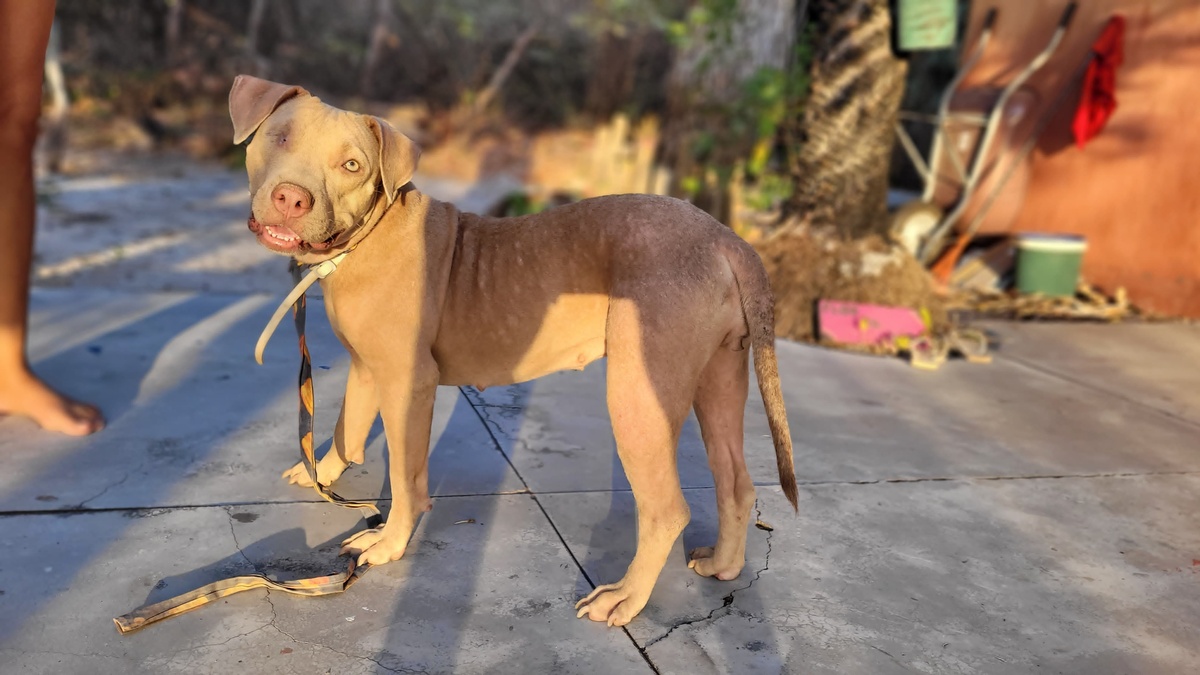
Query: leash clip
<point x="328" y="267"/>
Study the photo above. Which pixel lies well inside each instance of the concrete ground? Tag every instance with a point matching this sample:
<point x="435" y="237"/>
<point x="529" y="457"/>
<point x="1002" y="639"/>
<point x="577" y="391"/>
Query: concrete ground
<point x="1035" y="515"/>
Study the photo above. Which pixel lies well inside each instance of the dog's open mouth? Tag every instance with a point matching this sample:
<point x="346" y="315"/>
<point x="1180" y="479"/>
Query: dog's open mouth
<point x="279" y="238"/>
<point x="284" y="239"/>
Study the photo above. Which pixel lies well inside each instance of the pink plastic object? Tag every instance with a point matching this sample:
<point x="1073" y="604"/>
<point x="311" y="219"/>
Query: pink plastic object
<point x="858" y="324"/>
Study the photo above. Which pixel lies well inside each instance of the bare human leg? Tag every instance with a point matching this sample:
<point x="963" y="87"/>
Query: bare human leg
<point x="24" y="32"/>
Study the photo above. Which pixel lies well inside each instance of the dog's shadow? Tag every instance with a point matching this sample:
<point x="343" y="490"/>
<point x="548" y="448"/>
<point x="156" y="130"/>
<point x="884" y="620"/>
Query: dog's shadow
<point x="285" y="555"/>
<point x="282" y="556"/>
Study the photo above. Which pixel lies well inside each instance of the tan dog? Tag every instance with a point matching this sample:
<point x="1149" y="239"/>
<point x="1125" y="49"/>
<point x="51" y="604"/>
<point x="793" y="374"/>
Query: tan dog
<point x="433" y="296"/>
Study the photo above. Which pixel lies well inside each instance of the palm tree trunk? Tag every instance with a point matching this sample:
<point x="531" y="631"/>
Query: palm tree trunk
<point x="846" y="134"/>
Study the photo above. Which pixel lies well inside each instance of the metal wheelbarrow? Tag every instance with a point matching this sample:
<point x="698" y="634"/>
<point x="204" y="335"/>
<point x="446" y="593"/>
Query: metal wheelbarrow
<point x="921" y="225"/>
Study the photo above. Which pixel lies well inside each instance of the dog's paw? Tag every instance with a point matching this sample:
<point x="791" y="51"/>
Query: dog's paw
<point x="374" y="546"/>
<point x="613" y="604"/>
<point x="329" y="469"/>
<point x="705" y="564"/>
<point x="298" y="475"/>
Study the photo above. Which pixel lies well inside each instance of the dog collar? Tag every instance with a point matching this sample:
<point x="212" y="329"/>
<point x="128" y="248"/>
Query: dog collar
<point x="316" y="273"/>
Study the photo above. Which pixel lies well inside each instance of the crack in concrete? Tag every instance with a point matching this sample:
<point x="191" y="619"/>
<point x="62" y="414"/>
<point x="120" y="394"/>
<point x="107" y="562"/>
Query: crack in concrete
<point x="894" y="659"/>
<point x="728" y="599"/>
<point x="81" y="506"/>
<point x="238" y="546"/>
<point x="272" y="623"/>
<point x="475" y="398"/>
<point x="275" y="615"/>
<point x="221" y="643"/>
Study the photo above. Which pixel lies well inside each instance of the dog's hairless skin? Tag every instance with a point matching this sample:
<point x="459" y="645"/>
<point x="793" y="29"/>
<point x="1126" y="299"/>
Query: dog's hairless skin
<point x="431" y="295"/>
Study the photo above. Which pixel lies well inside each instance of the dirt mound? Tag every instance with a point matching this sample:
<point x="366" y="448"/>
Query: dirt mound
<point x="807" y="265"/>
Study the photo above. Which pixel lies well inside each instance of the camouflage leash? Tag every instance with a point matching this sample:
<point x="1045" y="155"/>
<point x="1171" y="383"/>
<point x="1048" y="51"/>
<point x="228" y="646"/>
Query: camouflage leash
<point x="323" y="585"/>
<point x="148" y="614"/>
<point x="307" y="404"/>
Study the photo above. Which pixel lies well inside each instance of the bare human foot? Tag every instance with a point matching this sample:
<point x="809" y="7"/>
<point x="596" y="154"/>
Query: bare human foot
<point x="22" y="56"/>
<point x="22" y="393"/>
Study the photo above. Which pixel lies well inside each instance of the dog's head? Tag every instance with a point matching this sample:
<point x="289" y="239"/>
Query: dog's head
<point x="317" y="174"/>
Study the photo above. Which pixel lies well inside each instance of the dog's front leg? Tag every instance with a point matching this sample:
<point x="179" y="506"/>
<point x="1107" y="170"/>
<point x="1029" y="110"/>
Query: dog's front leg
<point x="360" y="407"/>
<point x="406" y="398"/>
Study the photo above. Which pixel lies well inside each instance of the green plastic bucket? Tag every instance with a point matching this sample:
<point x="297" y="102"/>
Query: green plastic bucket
<point x="1049" y="263"/>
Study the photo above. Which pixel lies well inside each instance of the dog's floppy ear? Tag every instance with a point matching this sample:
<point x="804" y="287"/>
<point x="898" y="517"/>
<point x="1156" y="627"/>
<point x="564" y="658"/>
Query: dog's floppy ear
<point x="398" y="156"/>
<point x="252" y="100"/>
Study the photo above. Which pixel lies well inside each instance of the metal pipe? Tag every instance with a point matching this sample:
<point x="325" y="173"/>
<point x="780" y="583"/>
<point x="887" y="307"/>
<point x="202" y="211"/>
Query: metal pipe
<point x="932" y="246"/>
<point x="985" y="35"/>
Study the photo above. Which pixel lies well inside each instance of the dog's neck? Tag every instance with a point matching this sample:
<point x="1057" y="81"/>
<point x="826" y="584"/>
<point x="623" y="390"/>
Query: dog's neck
<point x="325" y="263"/>
<point x="357" y="234"/>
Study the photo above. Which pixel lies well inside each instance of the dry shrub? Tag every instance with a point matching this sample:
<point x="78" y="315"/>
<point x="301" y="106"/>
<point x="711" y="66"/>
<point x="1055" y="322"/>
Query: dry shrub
<point x="806" y="265"/>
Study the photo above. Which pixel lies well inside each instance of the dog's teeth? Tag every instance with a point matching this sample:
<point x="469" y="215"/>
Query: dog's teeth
<point x="281" y="235"/>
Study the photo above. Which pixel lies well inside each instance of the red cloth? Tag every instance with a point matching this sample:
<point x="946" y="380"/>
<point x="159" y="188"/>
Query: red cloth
<point x="1098" y="99"/>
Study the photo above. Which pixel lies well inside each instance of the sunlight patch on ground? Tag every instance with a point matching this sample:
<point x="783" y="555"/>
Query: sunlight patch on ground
<point x="108" y="256"/>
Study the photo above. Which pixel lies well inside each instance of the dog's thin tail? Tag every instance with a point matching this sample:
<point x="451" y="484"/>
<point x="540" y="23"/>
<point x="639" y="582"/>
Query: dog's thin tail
<point x="758" y="304"/>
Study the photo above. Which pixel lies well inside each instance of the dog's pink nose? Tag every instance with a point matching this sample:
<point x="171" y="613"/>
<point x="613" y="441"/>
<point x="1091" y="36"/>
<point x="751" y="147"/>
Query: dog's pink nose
<point x="291" y="201"/>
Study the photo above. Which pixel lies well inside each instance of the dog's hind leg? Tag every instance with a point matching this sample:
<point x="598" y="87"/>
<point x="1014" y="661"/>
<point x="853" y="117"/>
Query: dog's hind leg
<point x="651" y="381"/>
<point x="360" y="407"/>
<point x="720" y="409"/>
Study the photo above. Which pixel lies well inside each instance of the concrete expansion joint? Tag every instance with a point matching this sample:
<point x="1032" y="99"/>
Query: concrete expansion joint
<point x="984" y="479"/>
<point x="1055" y="373"/>
<point x="726" y="607"/>
<point x="493" y="428"/>
<point x="56" y="653"/>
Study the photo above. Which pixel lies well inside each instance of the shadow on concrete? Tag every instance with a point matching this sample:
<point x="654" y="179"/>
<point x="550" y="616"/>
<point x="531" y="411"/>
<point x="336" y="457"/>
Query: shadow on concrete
<point x="462" y="583"/>
<point x="176" y="401"/>
<point x="283" y="556"/>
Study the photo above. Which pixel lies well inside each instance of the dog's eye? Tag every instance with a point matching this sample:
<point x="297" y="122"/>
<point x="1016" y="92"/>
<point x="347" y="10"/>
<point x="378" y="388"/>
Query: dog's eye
<point x="351" y="166"/>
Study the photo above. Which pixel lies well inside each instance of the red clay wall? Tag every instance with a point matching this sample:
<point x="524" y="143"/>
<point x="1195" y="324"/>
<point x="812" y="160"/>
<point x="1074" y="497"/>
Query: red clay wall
<point x="1134" y="190"/>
